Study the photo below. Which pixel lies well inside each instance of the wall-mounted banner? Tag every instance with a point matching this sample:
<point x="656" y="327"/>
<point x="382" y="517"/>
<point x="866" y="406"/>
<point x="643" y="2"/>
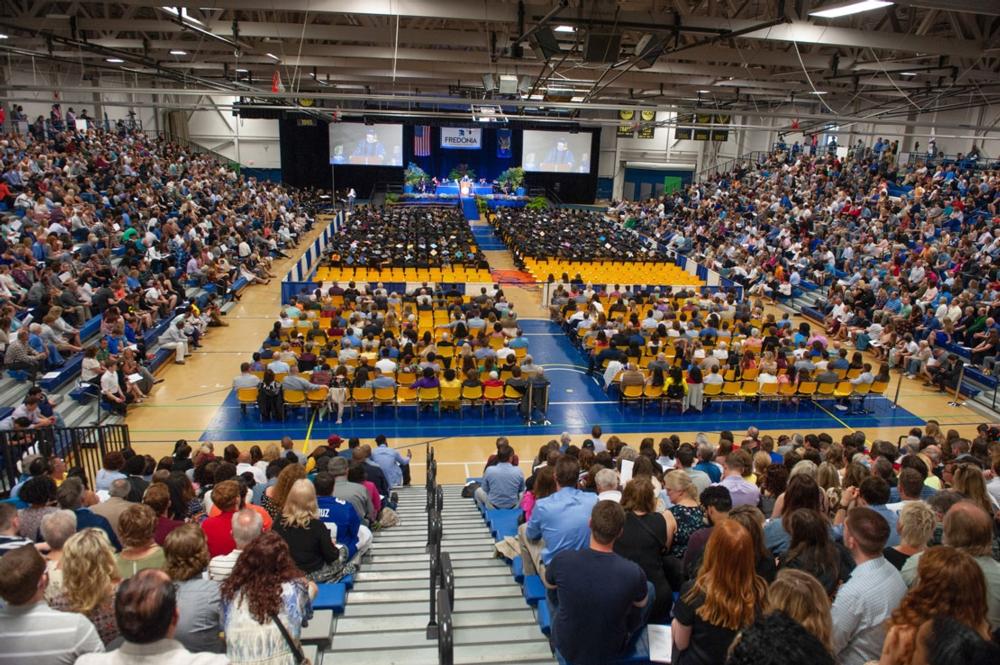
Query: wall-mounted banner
<point x="503" y="144"/>
<point x="461" y="139"/>
<point x="647" y="131"/>
<point x="626" y="130"/>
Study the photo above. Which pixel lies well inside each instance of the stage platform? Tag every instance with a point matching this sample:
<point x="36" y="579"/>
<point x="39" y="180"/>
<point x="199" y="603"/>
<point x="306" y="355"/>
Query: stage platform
<point x="577" y="401"/>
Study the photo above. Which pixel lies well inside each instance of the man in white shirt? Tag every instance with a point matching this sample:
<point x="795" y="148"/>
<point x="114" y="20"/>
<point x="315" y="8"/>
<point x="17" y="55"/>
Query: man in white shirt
<point x="866" y="601"/>
<point x="606" y="482"/>
<point x="385" y="364"/>
<point x="174" y="338"/>
<point x="110" y="389"/>
<point x="30" y="631"/>
<point x="245" y="379"/>
<point x="247" y="525"/>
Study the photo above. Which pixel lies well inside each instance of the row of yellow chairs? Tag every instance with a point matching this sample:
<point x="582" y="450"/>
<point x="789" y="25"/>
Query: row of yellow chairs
<point x="403" y="395"/>
<point x="741" y="391"/>
<point x="598" y="272"/>
<point x="386" y="275"/>
<point x="402" y="378"/>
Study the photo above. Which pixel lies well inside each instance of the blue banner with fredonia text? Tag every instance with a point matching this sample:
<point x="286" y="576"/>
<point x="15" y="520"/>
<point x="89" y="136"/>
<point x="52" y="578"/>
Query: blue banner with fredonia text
<point x="503" y="143"/>
<point x="460" y="138"/>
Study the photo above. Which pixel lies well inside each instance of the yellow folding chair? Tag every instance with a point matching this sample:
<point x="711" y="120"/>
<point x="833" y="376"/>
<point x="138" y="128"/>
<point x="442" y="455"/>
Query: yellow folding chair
<point x="246" y="397"/>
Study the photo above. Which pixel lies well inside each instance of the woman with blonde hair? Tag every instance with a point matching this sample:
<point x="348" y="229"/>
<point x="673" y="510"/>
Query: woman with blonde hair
<point x="199" y="605"/>
<point x="800" y="595"/>
<point x="137" y="531"/>
<point x="949" y="583"/>
<point x="274" y="497"/>
<point x="308" y="539"/>
<point x="916" y="527"/>
<point x="723" y="599"/>
<point x="685" y="515"/>
<point x="89" y="581"/>
<point x="967" y="480"/>
<point x="828" y="479"/>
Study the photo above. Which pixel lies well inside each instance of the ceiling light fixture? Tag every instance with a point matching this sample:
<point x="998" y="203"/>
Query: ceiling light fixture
<point x="564" y="28"/>
<point x="114" y="61"/>
<point x="818" y="92"/>
<point x="3" y="36"/>
<point x="850" y="8"/>
<point x="907" y="73"/>
<point x="242" y="71"/>
<point x="704" y="92"/>
<point x="178" y="52"/>
<point x="273" y="56"/>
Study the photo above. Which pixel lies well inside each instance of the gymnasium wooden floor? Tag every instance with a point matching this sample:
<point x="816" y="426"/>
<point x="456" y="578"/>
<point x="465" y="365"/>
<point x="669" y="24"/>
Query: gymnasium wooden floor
<point x="194" y="402"/>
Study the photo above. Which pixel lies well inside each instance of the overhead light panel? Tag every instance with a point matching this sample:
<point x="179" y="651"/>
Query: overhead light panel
<point x="177" y="52"/>
<point x="508" y="84"/>
<point x="242" y="71"/>
<point x="578" y="99"/>
<point x="564" y="28"/>
<point x="817" y="92"/>
<point x="907" y="73"/>
<point x="704" y="92"/>
<point x="273" y="57"/>
<point x="114" y="61"/>
<point x="3" y="36"/>
<point x="847" y="9"/>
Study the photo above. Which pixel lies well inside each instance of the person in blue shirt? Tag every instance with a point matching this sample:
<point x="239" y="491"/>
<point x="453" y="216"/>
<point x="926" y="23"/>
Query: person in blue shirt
<point x="502" y="482"/>
<point x="338" y="513"/>
<point x="558" y="522"/>
<point x="390" y="461"/>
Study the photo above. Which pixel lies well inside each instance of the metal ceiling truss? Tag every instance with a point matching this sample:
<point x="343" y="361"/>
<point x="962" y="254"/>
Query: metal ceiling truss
<point x="745" y="53"/>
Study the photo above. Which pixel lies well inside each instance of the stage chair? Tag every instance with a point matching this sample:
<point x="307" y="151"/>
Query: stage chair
<point x="294" y="399"/>
<point x="429" y="396"/>
<point x="246" y="397"/>
<point x="471" y="395"/>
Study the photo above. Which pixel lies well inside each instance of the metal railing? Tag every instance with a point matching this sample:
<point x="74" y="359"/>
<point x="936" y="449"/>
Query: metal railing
<point x="445" y="636"/>
<point x="83" y="447"/>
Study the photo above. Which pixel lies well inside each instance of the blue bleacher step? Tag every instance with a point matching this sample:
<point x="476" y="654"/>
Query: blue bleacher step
<point x="533" y="589"/>
<point x="331" y="597"/>
<point x="544" y="617"/>
<point x="517" y="569"/>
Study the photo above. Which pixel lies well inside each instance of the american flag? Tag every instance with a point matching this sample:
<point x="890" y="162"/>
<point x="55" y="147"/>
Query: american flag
<point x="422" y="141"/>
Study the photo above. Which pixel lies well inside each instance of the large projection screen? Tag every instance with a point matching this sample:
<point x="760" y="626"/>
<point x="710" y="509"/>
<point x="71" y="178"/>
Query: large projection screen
<point x="366" y="145"/>
<point x="555" y="152"/>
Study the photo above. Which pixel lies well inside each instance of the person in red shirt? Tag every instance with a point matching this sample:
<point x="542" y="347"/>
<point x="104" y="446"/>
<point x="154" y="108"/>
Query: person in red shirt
<point x="219" y="529"/>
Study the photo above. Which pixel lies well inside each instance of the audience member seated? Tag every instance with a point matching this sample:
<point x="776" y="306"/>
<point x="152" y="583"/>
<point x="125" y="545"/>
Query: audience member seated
<point x="725" y="597"/>
<point x="246" y="526"/>
<point x="90" y="578"/>
<point x="137" y="528"/>
<point x="643" y="540"/>
<point x="587" y="632"/>
<point x="309" y="541"/>
<point x="147" y="611"/>
<point x="558" y="522"/>
<point x="264" y="588"/>
<point x="502" y="482"/>
<point x="199" y="606"/>
<point x="68" y="635"/>
<point x="875" y="588"/>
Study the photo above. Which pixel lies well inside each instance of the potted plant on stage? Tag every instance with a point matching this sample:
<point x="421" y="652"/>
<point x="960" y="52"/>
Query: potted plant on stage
<point x="512" y="180"/>
<point x="412" y="177"/>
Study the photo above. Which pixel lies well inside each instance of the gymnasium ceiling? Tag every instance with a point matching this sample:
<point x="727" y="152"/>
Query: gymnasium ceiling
<point x="755" y="55"/>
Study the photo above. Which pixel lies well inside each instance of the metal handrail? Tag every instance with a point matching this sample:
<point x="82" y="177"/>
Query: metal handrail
<point x="447" y="577"/>
<point x="445" y="636"/>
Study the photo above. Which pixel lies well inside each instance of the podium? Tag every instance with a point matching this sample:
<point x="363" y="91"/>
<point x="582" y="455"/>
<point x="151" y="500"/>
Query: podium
<point x="465" y="188"/>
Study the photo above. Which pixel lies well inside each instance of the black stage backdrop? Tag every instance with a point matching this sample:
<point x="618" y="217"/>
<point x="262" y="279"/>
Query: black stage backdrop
<point x="305" y="161"/>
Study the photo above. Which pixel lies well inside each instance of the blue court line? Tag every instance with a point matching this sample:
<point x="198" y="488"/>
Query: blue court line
<point x="576" y="403"/>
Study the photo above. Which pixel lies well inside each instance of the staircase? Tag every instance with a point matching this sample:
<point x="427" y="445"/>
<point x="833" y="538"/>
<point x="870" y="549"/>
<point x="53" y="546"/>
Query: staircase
<point x="386" y="616"/>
